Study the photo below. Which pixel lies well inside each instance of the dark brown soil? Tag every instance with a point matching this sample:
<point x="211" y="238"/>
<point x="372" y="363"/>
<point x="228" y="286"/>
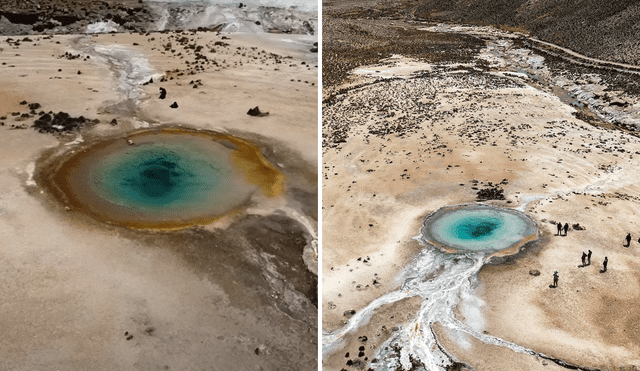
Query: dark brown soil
<point x="604" y="30"/>
<point x="350" y="40"/>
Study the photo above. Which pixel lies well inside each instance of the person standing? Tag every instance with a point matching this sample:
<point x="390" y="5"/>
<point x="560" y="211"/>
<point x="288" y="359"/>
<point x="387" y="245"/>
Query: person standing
<point x="604" y="264"/>
<point x="566" y="228"/>
<point x="555" y="279"/>
<point x="589" y="258"/>
<point x="584" y="259"/>
<point x="559" y="225"/>
<point x="628" y="238"/>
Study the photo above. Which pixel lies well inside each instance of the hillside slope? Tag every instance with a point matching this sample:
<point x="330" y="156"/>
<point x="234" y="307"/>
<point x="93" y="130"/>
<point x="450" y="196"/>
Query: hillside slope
<point x="606" y="30"/>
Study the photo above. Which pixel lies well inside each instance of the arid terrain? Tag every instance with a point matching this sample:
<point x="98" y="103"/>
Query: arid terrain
<point x="418" y="115"/>
<point x="81" y="294"/>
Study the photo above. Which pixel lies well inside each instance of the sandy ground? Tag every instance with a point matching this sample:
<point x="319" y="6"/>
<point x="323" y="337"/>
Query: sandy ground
<point x="80" y="295"/>
<point x="396" y="150"/>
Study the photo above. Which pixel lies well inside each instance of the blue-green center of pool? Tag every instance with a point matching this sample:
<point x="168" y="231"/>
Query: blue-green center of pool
<point x="161" y="175"/>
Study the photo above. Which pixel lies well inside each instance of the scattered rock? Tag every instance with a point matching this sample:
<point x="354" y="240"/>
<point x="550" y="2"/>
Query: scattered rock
<point x="58" y="122"/>
<point x="617" y="101"/>
<point x="256" y="112"/>
<point x="261" y="349"/>
<point x="534" y="272"/>
<point x="349" y="313"/>
<point x="174" y="105"/>
<point x="490" y="194"/>
<point x="578" y="227"/>
<point x="114" y="122"/>
<point x="163" y="93"/>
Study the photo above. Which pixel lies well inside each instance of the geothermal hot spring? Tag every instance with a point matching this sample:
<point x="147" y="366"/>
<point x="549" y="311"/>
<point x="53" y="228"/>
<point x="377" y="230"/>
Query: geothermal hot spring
<point x="477" y="229"/>
<point x="458" y="241"/>
<point x="165" y="178"/>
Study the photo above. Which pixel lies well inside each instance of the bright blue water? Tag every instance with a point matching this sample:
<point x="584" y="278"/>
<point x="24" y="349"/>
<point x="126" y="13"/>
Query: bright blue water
<point x="157" y="175"/>
<point x="164" y="176"/>
<point x="477" y="228"/>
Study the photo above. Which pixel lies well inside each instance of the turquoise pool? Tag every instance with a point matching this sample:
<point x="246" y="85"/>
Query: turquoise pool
<point x="477" y="228"/>
<point x="164" y="178"/>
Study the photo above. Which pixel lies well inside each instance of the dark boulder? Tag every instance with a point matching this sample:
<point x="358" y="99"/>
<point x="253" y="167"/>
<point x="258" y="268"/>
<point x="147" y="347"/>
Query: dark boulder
<point x="256" y="112"/>
<point x="490" y="194"/>
<point x="58" y="122"/>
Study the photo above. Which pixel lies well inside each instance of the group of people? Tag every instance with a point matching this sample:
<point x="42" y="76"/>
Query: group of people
<point x="561" y="228"/>
<point x="586" y="258"/>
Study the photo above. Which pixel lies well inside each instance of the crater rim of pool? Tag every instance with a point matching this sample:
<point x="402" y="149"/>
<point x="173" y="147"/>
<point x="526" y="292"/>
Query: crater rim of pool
<point x="172" y="177"/>
<point x="478" y="228"/>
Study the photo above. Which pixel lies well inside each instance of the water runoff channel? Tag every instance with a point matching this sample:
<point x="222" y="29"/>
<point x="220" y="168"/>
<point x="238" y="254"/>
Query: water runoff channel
<point x="459" y="240"/>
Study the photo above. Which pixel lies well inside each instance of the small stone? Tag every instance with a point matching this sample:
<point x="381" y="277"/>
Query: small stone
<point x="256" y="112"/>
